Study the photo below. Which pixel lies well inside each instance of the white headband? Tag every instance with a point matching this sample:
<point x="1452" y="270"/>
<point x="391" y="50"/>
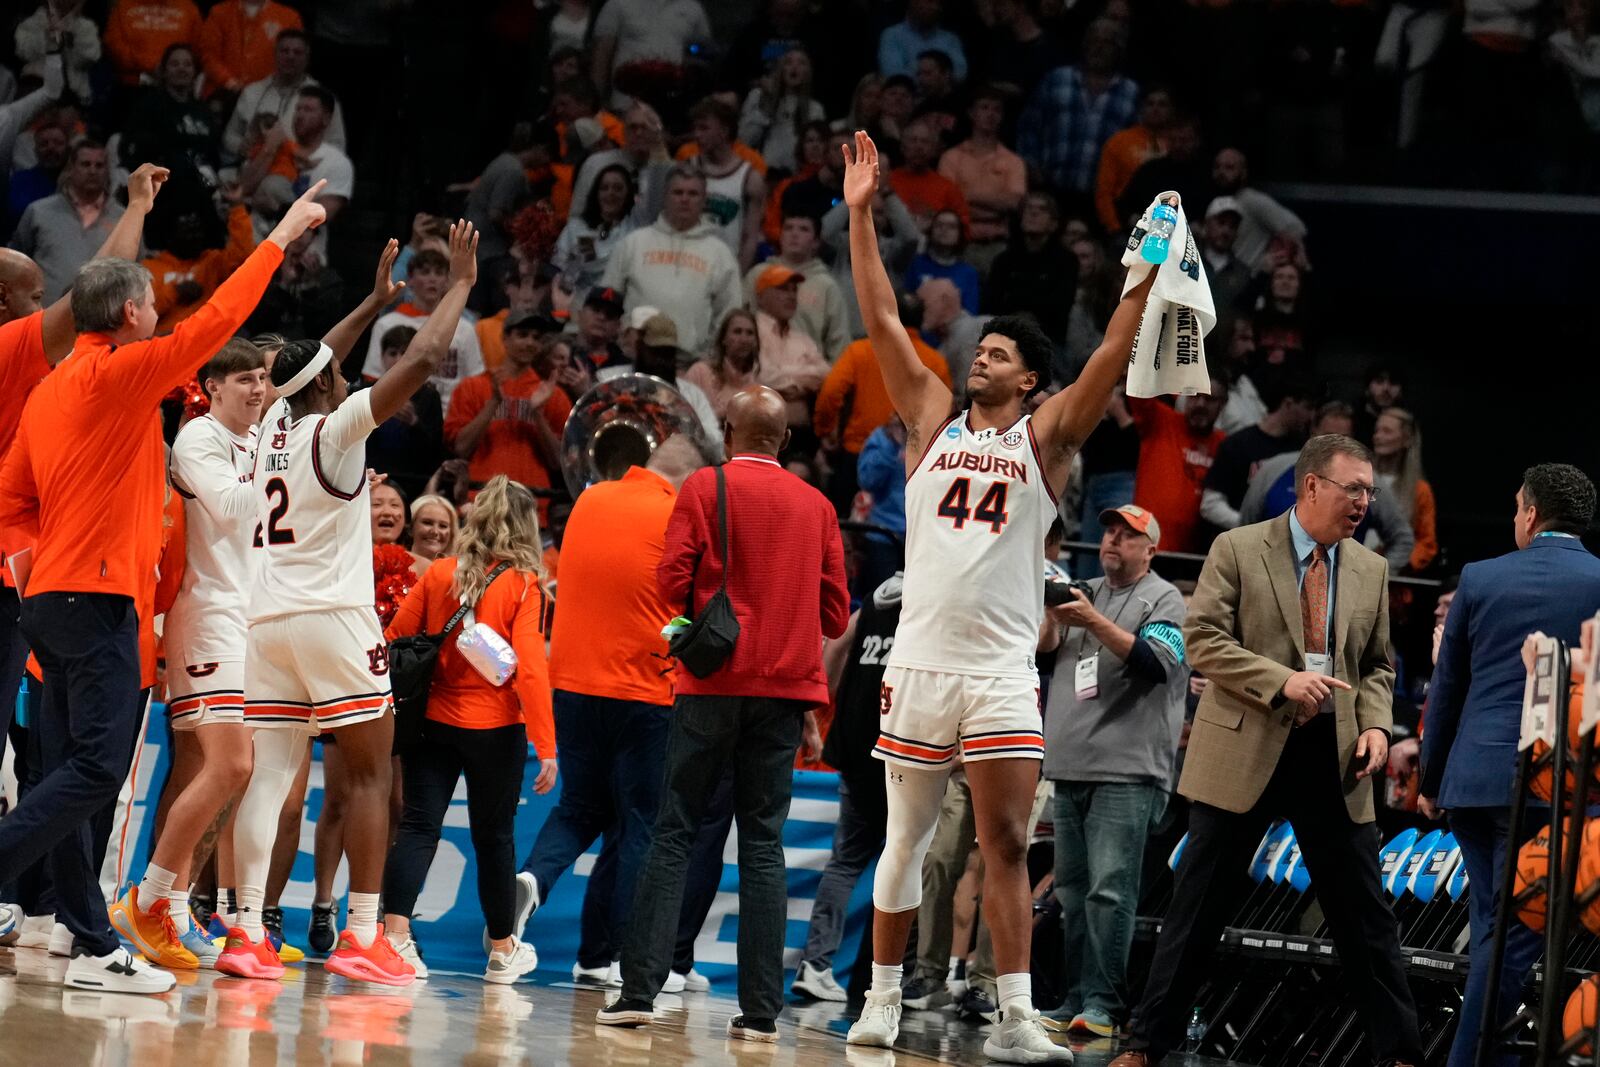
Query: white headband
<point x="323" y="357"/>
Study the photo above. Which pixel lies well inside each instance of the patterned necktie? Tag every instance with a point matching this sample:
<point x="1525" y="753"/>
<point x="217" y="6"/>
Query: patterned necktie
<point x="1314" y="603"/>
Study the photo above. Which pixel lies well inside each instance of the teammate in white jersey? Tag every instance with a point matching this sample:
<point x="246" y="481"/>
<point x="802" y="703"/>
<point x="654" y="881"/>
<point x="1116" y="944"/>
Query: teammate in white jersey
<point x="204" y="636"/>
<point x="980" y="496"/>
<point x="316" y="658"/>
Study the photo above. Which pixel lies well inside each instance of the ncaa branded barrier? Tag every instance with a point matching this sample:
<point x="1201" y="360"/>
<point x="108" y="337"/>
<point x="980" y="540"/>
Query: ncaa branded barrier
<point x="449" y="922"/>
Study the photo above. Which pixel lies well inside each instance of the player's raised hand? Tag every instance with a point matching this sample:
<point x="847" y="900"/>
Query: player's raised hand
<point x="463" y="253"/>
<point x="143" y="185"/>
<point x="304" y="214"/>
<point x="860" y="171"/>
<point x="385" y="290"/>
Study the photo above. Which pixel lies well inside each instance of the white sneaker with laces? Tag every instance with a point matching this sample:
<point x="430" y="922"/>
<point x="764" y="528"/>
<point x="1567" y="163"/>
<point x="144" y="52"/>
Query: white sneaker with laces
<point x="590" y="976"/>
<point x="11" y="917"/>
<point x="695" y="982"/>
<point x="1021" y="1038"/>
<point x="60" y="940"/>
<point x="406" y="948"/>
<point x="674" y="983"/>
<point x="818" y="983"/>
<point x="527" y="903"/>
<point x="879" y="1024"/>
<point x="116" y="972"/>
<point x="506" y="967"/>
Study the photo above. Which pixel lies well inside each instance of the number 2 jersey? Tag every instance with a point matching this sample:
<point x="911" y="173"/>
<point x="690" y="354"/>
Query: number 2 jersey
<point x="211" y="466"/>
<point x="977" y="511"/>
<point x="314" y="529"/>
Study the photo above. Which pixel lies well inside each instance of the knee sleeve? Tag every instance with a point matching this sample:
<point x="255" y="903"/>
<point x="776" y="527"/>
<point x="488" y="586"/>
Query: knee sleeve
<point x="914" y="796"/>
<point x="255" y="828"/>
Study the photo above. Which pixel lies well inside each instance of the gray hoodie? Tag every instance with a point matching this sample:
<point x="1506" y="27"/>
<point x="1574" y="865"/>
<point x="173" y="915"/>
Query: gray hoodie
<point x="689" y="275"/>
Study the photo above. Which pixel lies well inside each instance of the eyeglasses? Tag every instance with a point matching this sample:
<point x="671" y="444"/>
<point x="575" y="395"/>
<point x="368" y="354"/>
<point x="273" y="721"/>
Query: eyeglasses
<point x="1354" y="490"/>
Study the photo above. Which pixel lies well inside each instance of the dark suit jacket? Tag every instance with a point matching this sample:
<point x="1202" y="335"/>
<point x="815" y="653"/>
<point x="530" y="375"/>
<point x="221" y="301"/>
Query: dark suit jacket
<point x="1244" y="633"/>
<point x="1469" y="735"/>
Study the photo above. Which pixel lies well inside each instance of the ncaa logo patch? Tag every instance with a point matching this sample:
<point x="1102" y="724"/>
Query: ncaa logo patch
<point x="1012" y="439"/>
<point x="952" y="431"/>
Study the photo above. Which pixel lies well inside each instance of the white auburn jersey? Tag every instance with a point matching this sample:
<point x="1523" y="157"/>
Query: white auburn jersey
<point x="314" y="528"/>
<point x="211" y="468"/>
<point x="977" y="511"/>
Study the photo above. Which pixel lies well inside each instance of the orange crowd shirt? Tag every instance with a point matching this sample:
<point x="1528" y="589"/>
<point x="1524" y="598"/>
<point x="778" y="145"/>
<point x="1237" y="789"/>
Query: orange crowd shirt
<point x="609" y="613"/>
<point x="1173" y="464"/>
<point x="237" y="48"/>
<point x="139" y="32"/>
<point x="927" y="193"/>
<point x="856" y="376"/>
<point x="207" y="270"/>
<point x="508" y="446"/>
<point x="85" y="477"/>
<point x="513" y="607"/>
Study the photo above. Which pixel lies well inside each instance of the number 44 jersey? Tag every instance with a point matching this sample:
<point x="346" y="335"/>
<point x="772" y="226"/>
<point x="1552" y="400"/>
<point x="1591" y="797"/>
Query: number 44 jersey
<point x="977" y="511"/>
<point x="313" y="534"/>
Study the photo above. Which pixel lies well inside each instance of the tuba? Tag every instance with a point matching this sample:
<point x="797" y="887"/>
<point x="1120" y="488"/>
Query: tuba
<point x="617" y="425"/>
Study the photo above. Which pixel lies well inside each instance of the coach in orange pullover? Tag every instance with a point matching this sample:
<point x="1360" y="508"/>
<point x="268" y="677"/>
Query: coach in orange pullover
<point x="85" y="480"/>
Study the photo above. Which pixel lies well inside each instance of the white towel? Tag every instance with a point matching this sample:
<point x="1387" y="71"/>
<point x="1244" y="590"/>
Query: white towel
<point x="1169" y="355"/>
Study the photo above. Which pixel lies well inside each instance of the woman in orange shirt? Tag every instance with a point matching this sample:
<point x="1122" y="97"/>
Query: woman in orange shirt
<point x="475" y="727"/>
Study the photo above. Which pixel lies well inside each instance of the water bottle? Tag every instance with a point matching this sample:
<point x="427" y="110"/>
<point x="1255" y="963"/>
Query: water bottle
<point x="1196" y="1032"/>
<point x="1158" y="240"/>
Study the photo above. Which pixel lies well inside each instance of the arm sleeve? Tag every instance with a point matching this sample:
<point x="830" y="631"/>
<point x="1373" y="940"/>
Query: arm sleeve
<point x="1452" y="675"/>
<point x="148" y="370"/>
<point x="532" y="681"/>
<point x="408" y="619"/>
<point x="1144" y="663"/>
<point x="206" y="474"/>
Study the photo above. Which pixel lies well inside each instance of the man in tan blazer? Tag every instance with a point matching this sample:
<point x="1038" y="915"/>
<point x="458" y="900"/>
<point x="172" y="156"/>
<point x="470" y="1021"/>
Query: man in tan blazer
<point x="1290" y="623"/>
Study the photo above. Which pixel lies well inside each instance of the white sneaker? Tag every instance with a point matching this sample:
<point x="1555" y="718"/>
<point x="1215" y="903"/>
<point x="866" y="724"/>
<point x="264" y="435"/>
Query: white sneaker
<point x="406" y="949"/>
<point x="879" y="1024"/>
<point x="60" y="940"/>
<point x="1023" y="1039"/>
<point x="695" y="982"/>
<point x="11" y="917"/>
<point x="590" y="976"/>
<point x="818" y="983"/>
<point x="614" y="975"/>
<point x="506" y="967"/>
<point x="35" y="931"/>
<point x="527" y="903"/>
<point x="674" y="983"/>
<point x="117" y="972"/>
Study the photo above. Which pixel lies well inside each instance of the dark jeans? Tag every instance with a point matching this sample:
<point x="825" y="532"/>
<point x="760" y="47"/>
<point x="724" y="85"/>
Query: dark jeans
<point x="857" y="840"/>
<point x="612" y="755"/>
<point x="757" y="737"/>
<point x="1342" y="857"/>
<point x="1101" y="830"/>
<point x="1481" y="833"/>
<point x="704" y="875"/>
<point x="13" y="654"/>
<point x="493" y="762"/>
<point x="88" y="647"/>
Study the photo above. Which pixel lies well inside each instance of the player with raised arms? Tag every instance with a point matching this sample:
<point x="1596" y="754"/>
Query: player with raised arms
<point x="981" y="493"/>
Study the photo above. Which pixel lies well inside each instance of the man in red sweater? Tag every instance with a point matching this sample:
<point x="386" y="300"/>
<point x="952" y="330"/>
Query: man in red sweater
<point x="786" y="581"/>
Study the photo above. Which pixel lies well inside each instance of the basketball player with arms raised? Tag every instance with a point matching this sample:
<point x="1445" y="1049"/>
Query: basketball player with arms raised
<point x="980" y="495"/>
<point x="315" y="654"/>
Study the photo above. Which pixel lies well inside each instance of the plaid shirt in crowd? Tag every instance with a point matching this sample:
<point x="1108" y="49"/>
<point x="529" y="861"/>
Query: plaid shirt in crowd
<point x="1063" y="127"/>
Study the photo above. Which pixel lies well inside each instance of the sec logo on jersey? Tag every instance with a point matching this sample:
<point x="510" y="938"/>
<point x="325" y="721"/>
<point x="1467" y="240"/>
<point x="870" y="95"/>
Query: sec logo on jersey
<point x="1013" y="439"/>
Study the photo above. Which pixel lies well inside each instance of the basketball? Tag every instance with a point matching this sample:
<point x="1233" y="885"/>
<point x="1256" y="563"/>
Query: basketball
<point x="1587" y="890"/>
<point x="1540" y="785"/>
<point x="1533" y="864"/>
<point x="1579" y="1017"/>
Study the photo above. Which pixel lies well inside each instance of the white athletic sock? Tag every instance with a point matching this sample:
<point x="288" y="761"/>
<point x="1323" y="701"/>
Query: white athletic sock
<point x="155" y="885"/>
<point x="1016" y="994"/>
<point x="225" y="907"/>
<point x="363" y="918"/>
<point x="886" y="977"/>
<point x="250" y="900"/>
<point x="181" y="919"/>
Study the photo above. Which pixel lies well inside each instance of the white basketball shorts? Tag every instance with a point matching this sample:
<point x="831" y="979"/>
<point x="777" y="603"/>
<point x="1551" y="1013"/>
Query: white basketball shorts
<point x="925" y="715"/>
<point x="199" y="694"/>
<point x="316" y="670"/>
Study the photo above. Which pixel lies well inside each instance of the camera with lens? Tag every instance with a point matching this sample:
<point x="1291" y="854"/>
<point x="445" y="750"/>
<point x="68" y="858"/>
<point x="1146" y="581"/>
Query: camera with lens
<point x="1057" y="592"/>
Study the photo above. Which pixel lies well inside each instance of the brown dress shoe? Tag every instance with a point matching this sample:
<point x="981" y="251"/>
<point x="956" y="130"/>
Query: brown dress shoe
<point x="1131" y="1059"/>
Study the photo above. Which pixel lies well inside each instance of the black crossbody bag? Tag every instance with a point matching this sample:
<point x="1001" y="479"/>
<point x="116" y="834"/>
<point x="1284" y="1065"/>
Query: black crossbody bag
<point x="412" y="660"/>
<point x="705" y="645"/>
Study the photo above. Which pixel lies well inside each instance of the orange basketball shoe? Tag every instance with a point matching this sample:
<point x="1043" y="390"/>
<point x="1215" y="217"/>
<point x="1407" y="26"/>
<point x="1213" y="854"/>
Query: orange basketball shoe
<point x="378" y="962"/>
<point x="152" y="932"/>
<point x="244" y="958"/>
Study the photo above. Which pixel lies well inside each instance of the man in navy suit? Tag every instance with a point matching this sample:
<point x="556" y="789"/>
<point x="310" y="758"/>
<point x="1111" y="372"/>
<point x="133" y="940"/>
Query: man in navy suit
<point x="1469" y="738"/>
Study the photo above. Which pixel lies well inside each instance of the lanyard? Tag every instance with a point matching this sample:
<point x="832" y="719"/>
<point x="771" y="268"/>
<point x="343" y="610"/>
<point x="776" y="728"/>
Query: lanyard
<point x="1115" y="616"/>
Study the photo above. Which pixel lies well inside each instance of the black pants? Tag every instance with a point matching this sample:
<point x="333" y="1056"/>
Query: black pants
<point x="757" y="737"/>
<point x="703" y="877"/>
<point x="88" y="647"/>
<point x="492" y="761"/>
<point x="1341" y="855"/>
<point x="13" y="654"/>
